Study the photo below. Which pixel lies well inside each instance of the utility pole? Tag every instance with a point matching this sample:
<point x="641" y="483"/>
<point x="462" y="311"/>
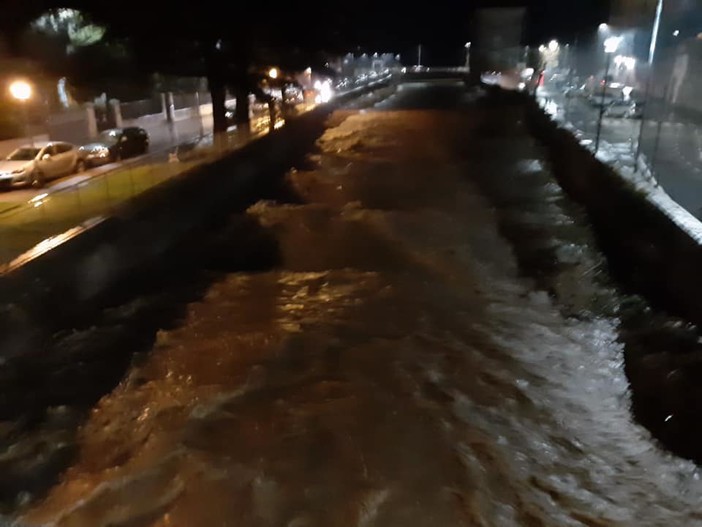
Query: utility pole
<point x="649" y="82"/>
<point x="419" y="55"/>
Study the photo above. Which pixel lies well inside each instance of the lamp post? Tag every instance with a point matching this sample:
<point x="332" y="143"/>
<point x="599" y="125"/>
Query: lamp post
<point x="649" y="82"/>
<point x="611" y="44"/>
<point x="467" y="46"/>
<point x="21" y="91"/>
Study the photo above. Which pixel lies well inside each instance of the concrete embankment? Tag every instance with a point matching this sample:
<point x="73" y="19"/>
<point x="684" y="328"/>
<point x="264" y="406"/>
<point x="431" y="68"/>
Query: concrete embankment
<point x="654" y="250"/>
<point x="648" y="247"/>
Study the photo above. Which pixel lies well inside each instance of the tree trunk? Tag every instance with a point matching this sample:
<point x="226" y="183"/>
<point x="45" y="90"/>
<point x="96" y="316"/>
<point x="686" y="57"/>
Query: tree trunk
<point x="219" y="112"/>
<point x="272" y="114"/>
<point x="217" y="87"/>
<point x="242" y="114"/>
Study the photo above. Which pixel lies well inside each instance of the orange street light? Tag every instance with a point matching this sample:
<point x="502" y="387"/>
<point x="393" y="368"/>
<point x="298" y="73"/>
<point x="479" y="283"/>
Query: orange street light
<point x="21" y="90"/>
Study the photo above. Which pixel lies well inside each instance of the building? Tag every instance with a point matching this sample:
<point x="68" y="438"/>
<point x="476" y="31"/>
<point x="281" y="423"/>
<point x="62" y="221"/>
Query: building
<point x="497" y="38"/>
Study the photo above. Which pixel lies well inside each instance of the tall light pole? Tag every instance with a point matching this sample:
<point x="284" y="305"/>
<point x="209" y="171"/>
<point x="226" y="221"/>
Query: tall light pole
<point x="655" y="30"/>
<point x="467" y="46"/>
<point x="611" y="44"/>
<point x="21" y="91"/>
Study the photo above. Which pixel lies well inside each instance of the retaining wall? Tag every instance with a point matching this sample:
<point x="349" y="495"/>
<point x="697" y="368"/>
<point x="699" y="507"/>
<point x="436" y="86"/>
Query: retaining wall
<point x="649" y="249"/>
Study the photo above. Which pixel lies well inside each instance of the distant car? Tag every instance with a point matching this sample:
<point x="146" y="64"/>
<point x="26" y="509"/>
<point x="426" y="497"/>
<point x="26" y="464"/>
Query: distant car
<point x="114" y="145"/>
<point x="598" y="101"/>
<point x="637" y="110"/>
<point x="294" y="94"/>
<point x="619" y="108"/>
<point x="35" y="165"/>
<point x="575" y="91"/>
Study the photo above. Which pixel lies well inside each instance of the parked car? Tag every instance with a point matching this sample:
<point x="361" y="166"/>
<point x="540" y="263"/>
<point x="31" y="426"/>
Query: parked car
<point x="115" y="144"/>
<point x="34" y="165"/>
<point x="230" y="114"/>
<point x="575" y="91"/>
<point x="597" y="101"/>
<point x="637" y="110"/>
<point x="619" y="108"/>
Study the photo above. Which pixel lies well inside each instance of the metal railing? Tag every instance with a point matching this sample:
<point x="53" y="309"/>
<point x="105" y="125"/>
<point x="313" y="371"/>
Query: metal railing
<point x="96" y="196"/>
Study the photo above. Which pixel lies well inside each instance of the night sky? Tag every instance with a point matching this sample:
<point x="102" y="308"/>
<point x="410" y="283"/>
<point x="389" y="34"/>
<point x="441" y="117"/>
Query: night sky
<point x="443" y="26"/>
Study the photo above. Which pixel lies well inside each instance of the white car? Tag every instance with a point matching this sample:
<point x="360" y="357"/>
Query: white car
<point x="37" y="164"/>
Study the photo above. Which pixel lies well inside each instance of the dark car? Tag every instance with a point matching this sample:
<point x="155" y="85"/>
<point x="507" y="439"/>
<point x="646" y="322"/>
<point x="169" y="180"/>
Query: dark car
<point x="637" y="110"/>
<point x="115" y="144"/>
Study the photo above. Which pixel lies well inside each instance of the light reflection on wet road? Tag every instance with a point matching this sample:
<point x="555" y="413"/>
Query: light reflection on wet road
<point x="405" y="364"/>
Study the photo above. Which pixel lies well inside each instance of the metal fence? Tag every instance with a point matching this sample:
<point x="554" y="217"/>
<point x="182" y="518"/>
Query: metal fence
<point x="648" y="62"/>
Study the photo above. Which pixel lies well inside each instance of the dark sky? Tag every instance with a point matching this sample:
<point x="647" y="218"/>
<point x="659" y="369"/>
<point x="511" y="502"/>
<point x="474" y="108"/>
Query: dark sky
<point x="443" y="26"/>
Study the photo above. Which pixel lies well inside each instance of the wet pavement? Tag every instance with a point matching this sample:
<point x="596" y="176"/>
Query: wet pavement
<point x="418" y="331"/>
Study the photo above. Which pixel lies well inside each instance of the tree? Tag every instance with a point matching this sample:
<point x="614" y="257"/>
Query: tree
<point x="204" y="39"/>
<point x="224" y="42"/>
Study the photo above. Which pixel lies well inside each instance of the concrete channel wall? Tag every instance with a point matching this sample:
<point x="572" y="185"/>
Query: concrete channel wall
<point x="650" y="251"/>
<point x="70" y="279"/>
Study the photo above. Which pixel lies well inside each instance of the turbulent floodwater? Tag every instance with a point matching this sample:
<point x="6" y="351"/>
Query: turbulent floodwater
<point x="435" y="347"/>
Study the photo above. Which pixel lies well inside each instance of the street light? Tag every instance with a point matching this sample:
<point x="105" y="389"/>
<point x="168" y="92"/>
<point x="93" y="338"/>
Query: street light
<point x="467" y="46"/>
<point x="611" y="44"/>
<point x="655" y="31"/>
<point x="21" y="91"/>
<point x="273" y="73"/>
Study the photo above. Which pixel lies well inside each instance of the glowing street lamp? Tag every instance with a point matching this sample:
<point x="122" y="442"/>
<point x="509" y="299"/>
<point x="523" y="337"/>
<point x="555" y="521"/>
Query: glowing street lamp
<point x="273" y="73"/>
<point x="21" y="91"/>
<point x="553" y="46"/>
<point x="611" y="45"/>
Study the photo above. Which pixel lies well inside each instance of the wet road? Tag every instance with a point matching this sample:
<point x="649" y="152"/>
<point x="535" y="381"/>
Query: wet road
<point x="433" y="341"/>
